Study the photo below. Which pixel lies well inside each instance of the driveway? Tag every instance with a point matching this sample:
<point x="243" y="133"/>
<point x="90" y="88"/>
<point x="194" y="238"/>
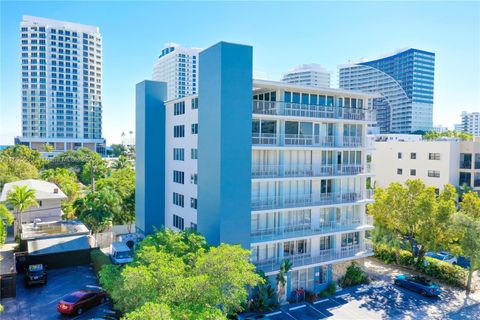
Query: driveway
<point x="40" y="302"/>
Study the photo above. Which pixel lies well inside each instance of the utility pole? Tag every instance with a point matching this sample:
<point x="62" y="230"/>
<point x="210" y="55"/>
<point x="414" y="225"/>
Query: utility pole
<point x="93" y="168"/>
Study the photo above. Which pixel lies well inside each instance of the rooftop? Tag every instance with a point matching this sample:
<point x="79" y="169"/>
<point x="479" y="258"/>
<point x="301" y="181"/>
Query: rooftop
<point x="43" y="189"/>
<point x="59" y="24"/>
<point x="56" y="229"/>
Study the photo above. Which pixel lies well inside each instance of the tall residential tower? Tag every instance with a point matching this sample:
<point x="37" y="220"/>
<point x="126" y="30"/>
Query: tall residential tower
<point x="178" y="67"/>
<point x="308" y="75"/>
<point x="405" y="82"/>
<point x="278" y="168"/>
<point x="61" y="85"/>
<point x="471" y="123"/>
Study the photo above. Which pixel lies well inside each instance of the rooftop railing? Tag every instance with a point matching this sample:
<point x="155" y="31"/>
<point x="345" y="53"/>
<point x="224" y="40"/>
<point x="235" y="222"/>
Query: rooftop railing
<point x="307" y="170"/>
<point x="291" y="109"/>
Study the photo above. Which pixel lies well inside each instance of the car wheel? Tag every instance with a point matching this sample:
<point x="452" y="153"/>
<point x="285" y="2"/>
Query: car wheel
<point x="79" y="311"/>
<point x="397" y="283"/>
<point x="423" y="293"/>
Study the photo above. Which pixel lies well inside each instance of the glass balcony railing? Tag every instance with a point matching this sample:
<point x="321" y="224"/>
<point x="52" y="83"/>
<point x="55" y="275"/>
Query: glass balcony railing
<point x="304" y="230"/>
<point x="306" y="140"/>
<point x="307" y="200"/>
<point x="308" y="170"/>
<point x="318" y="257"/>
<point x="290" y="109"/>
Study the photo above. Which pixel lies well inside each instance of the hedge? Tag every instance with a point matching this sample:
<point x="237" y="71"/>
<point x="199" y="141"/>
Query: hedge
<point x="98" y="259"/>
<point x="448" y="273"/>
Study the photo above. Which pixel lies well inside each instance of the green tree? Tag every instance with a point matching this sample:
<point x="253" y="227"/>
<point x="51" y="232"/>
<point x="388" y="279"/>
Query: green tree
<point x="121" y="163"/>
<point x="47" y="147"/>
<point x="96" y="209"/>
<point x="470" y="205"/>
<point x="118" y="150"/>
<point x="20" y="198"/>
<point x="67" y="181"/>
<point x="6" y="219"/>
<point x="209" y="282"/>
<point x="12" y="169"/>
<point x="414" y="212"/>
<point x="432" y="135"/>
<point x="21" y="152"/>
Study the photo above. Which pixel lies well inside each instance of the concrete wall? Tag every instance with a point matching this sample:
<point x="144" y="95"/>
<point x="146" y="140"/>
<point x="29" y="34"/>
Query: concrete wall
<point x="224" y="143"/>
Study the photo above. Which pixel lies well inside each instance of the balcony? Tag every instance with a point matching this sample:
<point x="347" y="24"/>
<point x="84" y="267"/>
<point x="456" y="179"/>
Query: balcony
<point x="260" y="171"/>
<point x="305" y="230"/>
<point x="290" y="109"/>
<point x="319" y="257"/>
<point x="307" y="200"/>
<point x="273" y="139"/>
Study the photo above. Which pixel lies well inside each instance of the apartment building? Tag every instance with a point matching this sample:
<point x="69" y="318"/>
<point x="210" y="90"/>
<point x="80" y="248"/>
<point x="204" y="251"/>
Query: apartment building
<point x="405" y="81"/>
<point x="61" y="66"/>
<point x="471" y="123"/>
<point x="434" y="162"/>
<point x="178" y="67"/>
<point x="278" y="168"/>
<point x="309" y="75"/>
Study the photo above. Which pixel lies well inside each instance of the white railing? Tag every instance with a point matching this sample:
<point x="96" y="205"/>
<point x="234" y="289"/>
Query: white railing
<point x="321" y="256"/>
<point x="279" y="108"/>
<point x="304" y="170"/>
<point x="305" y="140"/>
<point x="305" y="200"/>
<point x="352" y="141"/>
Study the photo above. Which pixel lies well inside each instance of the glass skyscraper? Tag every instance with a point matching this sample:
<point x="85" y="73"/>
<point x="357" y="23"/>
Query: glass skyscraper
<point x="404" y="82"/>
<point x="61" y="85"/>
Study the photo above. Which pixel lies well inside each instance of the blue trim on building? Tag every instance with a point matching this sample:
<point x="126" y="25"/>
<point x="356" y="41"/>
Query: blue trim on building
<point x="224" y="144"/>
<point x="150" y="155"/>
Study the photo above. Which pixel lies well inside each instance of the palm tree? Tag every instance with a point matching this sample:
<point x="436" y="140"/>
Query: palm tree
<point x="6" y="219"/>
<point x="120" y="163"/>
<point x="285" y="267"/>
<point x="21" y="199"/>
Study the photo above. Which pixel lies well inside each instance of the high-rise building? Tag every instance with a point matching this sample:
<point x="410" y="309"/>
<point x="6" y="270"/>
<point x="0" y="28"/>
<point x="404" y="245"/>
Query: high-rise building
<point x="471" y="123"/>
<point x="405" y="82"/>
<point x="278" y="168"/>
<point x="178" y="67"/>
<point x="458" y="127"/>
<point x="439" y="128"/>
<point x="309" y="75"/>
<point x="61" y="85"/>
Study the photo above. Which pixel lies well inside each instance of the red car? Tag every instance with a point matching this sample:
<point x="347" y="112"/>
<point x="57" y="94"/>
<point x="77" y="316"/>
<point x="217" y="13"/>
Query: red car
<point x="79" y="301"/>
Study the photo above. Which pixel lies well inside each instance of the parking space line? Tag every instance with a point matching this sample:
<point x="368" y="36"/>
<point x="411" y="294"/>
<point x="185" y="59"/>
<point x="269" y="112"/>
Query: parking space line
<point x="320" y="301"/>
<point x="296" y="308"/>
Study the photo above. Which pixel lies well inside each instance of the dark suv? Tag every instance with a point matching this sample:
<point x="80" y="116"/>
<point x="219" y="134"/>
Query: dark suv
<point x="35" y="275"/>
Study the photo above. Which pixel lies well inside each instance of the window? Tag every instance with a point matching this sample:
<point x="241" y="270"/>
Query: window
<point x="178" y="199"/>
<point x="179" y="131"/>
<point x="178" y="176"/>
<point x="195" y="103"/>
<point x="477" y="161"/>
<point x="399" y="171"/>
<point x="433" y="173"/>
<point x="194" y="153"/>
<point x="465" y="178"/>
<point x="399" y="155"/>
<point x="193" y="226"/>
<point x="465" y="160"/>
<point x="193" y="178"/>
<point x="194" y="128"/>
<point x="178" y="222"/>
<point x="178" y="154"/>
<point x="179" y="108"/>
<point x="193" y="203"/>
<point x="413" y="155"/>
<point x="350" y="239"/>
<point x="413" y="172"/>
<point x="434" y="156"/>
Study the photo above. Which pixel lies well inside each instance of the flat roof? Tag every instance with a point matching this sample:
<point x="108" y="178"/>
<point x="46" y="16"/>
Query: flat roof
<point x="57" y="245"/>
<point x="55" y="229"/>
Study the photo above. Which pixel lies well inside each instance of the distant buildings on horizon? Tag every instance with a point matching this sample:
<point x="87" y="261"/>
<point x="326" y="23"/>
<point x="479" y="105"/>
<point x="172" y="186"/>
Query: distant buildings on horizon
<point x="309" y="75"/>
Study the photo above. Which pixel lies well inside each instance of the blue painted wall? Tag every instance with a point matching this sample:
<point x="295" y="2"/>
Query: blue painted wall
<point x="150" y="155"/>
<point x="224" y="144"/>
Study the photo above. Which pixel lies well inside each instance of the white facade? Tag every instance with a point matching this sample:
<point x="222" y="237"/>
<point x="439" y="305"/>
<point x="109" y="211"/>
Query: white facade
<point x="309" y="75"/>
<point x="434" y="162"/>
<point x="61" y="85"/>
<point x="439" y="128"/>
<point x="309" y="191"/>
<point x="178" y="67"/>
<point x="471" y="123"/>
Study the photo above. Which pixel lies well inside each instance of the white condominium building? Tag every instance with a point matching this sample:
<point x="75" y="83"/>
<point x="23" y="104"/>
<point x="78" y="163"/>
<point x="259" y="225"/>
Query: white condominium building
<point x="61" y="85"/>
<point x="434" y="162"/>
<point x="309" y="75"/>
<point x="471" y="123"/>
<point x="178" y="67"/>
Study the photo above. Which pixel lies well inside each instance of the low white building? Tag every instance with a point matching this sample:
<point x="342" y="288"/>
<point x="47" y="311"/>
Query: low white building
<point x="48" y="195"/>
<point x="435" y="162"/>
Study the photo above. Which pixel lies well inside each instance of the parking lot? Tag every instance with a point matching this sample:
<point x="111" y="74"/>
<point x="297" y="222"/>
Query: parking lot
<point x="382" y="300"/>
<point x="40" y="302"/>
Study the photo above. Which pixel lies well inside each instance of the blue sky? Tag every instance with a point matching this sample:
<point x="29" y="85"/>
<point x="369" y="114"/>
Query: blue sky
<point x="283" y="35"/>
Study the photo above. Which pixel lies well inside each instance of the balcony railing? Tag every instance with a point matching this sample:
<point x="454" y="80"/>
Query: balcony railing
<point x="290" y="109"/>
<point x="306" y="200"/>
<point x="306" y="140"/>
<point x="307" y="170"/>
<point x="305" y="230"/>
<point x="321" y="256"/>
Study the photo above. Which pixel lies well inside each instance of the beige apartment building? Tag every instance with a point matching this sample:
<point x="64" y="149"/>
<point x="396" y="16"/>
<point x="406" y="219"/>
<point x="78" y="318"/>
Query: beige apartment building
<point x="435" y="162"/>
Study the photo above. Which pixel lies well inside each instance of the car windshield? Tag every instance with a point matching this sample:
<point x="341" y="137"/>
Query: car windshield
<point x="36" y="273"/>
<point x="123" y="255"/>
<point x="421" y="280"/>
<point x="74" y="297"/>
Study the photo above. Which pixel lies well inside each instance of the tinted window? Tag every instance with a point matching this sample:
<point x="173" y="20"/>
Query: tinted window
<point x="71" y="298"/>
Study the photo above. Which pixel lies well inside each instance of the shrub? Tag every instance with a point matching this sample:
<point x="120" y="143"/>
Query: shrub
<point x="310" y="296"/>
<point x="330" y="290"/>
<point x="353" y="276"/>
<point x="448" y="273"/>
<point x="98" y="259"/>
<point x="406" y="258"/>
<point x="384" y="253"/>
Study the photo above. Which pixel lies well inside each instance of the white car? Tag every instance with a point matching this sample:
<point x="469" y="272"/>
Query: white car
<point x="442" y="256"/>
